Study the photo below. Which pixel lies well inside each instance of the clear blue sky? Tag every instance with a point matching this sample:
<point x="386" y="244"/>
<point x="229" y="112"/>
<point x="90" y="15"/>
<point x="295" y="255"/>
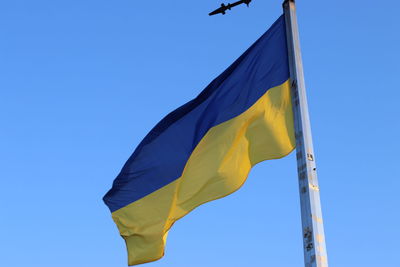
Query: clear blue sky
<point x="82" y="82"/>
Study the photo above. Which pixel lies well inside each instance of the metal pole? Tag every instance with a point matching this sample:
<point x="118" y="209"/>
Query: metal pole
<point x="315" y="254"/>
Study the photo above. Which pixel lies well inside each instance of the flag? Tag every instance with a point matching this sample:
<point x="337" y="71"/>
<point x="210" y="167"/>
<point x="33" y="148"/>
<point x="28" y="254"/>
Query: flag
<point x="205" y="149"/>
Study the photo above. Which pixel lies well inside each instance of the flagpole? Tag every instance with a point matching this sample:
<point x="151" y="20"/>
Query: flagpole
<point x="315" y="254"/>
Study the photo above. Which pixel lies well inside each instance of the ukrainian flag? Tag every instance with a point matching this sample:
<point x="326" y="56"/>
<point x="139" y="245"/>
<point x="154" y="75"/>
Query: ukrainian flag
<point x="205" y="149"/>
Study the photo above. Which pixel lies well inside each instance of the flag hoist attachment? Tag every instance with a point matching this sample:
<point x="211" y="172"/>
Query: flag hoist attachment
<point x="315" y="254"/>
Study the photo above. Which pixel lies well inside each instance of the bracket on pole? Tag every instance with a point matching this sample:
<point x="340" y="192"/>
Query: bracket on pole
<point x="222" y="10"/>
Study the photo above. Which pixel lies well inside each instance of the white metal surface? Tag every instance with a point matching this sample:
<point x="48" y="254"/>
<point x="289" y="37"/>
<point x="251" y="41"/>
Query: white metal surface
<point x="315" y="254"/>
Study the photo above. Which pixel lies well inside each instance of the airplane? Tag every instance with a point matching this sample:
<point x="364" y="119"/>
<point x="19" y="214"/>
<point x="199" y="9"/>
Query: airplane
<point x="224" y="7"/>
